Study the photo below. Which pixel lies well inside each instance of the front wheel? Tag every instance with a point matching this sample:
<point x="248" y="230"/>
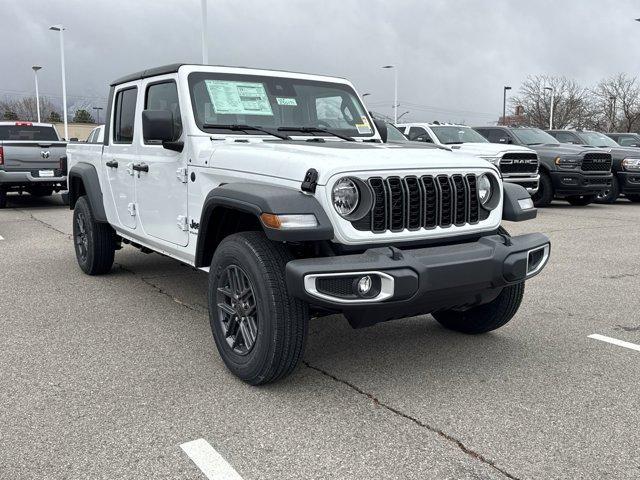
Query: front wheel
<point x="484" y="318"/>
<point x="581" y="200"/>
<point x="94" y="242"/>
<point x="260" y="331"/>
<point x="544" y="196"/>
<point x="610" y="195"/>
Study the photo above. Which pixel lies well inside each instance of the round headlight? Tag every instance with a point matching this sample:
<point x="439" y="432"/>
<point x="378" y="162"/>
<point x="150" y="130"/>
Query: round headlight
<point x="345" y="196"/>
<point x="484" y="189"/>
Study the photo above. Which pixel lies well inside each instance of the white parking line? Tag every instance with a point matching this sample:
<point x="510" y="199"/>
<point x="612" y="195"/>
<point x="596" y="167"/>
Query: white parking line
<point x="615" y="341"/>
<point x="209" y="461"/>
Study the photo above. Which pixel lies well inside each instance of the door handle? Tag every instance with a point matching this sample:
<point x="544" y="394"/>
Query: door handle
<point x="140" y="167"/>
<point x="112" y="164"/>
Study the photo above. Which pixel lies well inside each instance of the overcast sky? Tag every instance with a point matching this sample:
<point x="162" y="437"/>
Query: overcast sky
<point x="453" y="56"/>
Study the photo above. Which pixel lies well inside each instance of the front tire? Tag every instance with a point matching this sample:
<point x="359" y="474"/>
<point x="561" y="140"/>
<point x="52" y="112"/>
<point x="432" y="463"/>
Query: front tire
<point x="611" y="195"/>
<point x="95" y="242"/>
<point x="582" y="200"/>
<point x="260" y="331"/>
<point x="484" y="318"/>
<point x="544" y="196"/>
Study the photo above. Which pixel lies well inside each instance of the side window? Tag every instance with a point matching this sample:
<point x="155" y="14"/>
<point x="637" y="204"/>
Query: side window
<point x="494" y="135"/>
<point x="565" y="137"/>
<point x="124" y="115"/>
<point x="164" y="96"/>
<point x="627" y="141"/>
<point x="419" y="134"/>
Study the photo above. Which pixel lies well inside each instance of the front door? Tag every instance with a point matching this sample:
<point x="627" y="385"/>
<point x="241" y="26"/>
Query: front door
<point x="161" y="187"/>
<point x="120" y="155"/>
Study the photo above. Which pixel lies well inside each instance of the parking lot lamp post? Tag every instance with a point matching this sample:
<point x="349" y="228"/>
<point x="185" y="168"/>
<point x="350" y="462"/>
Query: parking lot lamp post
<point x="553" y="94"/>
<point x="35" y="69"/>
<point x="613" y="113"/>
<point x="97" y="109"/>
<point x="403" y="114"/>
<point x="61" y="29"/>
<point x="504" y="104"/>
<point x="395" y="92"/>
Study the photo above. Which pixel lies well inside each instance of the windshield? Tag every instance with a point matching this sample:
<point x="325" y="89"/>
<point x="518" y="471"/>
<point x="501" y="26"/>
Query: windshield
<point x="28" y="132"/>
<point x="453" y="134"/>
<point x="533" y="136"/>
<point x="394" y="135"/>
<point x="596" y="139"/>
<point x="275" y="102"/>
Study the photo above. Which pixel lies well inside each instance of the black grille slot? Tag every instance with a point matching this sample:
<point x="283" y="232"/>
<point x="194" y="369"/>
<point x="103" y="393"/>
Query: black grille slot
<point x="596" y="162"/>
<point x="414" y="203"/>
<point x="519" y="163"/>
<point x="426" y="202"/>
<point x="336" y="286"/>
<point x="396" y="204"/>
<point x="446" y="201"/>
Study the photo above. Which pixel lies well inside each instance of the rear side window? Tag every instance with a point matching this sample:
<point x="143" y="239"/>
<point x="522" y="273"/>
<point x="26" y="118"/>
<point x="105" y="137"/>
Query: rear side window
<point x="565" y="137"/>
<point x="419" y="134"/>
<point x="164" y="96"/>
<point x="28" y="132"/>
<point x="124" y="115"/>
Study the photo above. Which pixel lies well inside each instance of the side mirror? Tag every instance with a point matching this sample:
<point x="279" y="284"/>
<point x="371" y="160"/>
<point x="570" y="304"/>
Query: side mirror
<point x="382" y="129"/>
<point x="158" y="126"/>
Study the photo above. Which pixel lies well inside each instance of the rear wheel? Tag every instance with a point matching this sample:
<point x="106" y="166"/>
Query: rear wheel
<point x="41" y="191"/>
<point x="95" y="242"/>
<point x="544" y="196"/>
<point x="260" y="330"/>
<point x="3" y="199"/>
<point x="610" y="195"/>
<point x="581" y="200"/>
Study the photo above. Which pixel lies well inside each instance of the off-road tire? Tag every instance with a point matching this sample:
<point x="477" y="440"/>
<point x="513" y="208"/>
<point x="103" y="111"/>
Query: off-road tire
<point x="581" y="200"/>
<point x="484" y="318"/>
<point x="95" y="256"/>
<point x="3" y="199"/>
<point x="633" y="198"/>
<point x="282" y="321"/>
<point x="611" y="195"/>
<point x="41" y="191"/>
<point x="544" y="196"/>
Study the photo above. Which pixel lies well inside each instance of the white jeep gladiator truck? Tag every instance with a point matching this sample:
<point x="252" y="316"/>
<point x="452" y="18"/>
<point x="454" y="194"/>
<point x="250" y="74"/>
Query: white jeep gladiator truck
<point x="517" y="164"/>
<point x="31" y="159"/>
<point x="277" y="184"/>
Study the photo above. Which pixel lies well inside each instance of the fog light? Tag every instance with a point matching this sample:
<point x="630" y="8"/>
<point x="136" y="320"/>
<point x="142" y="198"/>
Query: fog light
<point x="364" y="285"/>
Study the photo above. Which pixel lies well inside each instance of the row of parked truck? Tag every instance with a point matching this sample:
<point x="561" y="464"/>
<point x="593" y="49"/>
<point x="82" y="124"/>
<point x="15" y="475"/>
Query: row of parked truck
<point x="298" y="203"/>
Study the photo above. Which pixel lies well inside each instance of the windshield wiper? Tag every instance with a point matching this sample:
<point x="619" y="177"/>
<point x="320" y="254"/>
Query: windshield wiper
<point x="245" y="128"/>
<point x="316" y="130"/>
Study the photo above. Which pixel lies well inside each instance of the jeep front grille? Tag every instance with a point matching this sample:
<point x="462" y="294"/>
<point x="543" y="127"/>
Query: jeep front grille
<point x="421" y="202"/>
<point x="519" y="163"/>
<point x="596" y="162"/>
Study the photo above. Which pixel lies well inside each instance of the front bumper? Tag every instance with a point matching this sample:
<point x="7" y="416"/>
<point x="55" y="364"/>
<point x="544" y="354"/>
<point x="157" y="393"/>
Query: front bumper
<point x="418" y="281"/>
<point x="530" y="183"/>
<point x="629" y="182"/>
<point x="569" y="183"/>
<point x="11" y="180"/>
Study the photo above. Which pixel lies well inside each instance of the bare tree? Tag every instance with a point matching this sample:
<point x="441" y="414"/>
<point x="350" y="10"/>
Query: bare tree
<point x="617" y="101"/>
<point x="570" y="103"/>
<point x="25" y="109"/>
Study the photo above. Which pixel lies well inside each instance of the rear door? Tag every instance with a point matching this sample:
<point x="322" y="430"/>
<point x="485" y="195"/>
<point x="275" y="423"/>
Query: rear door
<point x="121" y="153"/>
<point x="161" y="189"/>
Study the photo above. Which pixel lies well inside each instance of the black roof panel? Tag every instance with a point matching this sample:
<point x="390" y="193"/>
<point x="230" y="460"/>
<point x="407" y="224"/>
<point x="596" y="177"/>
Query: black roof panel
<point x="151" y="72"/>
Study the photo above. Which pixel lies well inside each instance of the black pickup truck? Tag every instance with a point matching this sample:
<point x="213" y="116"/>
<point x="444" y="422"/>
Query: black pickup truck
<point x="626" y="162"/>
<point x="574" y="173"/>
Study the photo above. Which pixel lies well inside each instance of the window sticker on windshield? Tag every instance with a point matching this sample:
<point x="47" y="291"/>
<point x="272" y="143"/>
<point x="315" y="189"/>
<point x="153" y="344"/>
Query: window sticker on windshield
<point x="291" y="102"/>
<point x="364" y="127"/>
<point x="238" y="98"/>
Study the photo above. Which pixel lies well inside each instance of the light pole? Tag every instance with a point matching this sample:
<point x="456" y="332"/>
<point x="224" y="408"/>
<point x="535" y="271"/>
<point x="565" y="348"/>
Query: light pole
<point x="395" y="91"/>
<point x="613" y="112"/>
<point x="61" y="29"/>
<point x="97" y="109"/>
<point x="553" y="94"/>
<point x="205" y="47"/>
<point x="35" y="69"/>
<point x="504" y="104"/>
<point x="403" y="114"/>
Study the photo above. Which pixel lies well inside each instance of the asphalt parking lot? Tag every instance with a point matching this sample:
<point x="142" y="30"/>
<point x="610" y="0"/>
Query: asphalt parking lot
<point x="106" y="377"/>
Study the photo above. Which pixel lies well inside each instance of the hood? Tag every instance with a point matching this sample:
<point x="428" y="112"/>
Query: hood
<point x="620" y="153"/>
<point x="562" y="149"/>
<point x="488" y="149"/>
<point x="291" y="160"/>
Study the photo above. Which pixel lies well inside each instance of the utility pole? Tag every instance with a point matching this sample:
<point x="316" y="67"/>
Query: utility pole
<point x="553" y="96"/>
<point x="395" y="92"/>
<point x="35" y="69"/>
<point x="613" y="113"/>
<point x="205" y="46"/>
<point x="97" y="109"/>
<point x="504" y="104"/>
<point x="61" y="29"/>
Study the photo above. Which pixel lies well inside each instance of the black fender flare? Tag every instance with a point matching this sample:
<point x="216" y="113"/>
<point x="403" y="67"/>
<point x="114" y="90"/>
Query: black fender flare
<point x="256" y="199"/>
<point x="85" y="174"/>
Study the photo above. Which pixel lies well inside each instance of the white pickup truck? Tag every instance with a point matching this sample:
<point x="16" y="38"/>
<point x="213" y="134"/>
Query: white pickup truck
<point x="517" y="164"/>
<point x="31" y="159"/>
<point x="277" y="184"/>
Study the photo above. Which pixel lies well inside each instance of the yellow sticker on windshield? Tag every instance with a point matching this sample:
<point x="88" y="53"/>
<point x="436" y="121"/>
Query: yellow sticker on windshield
<point x="364" y="127"/>
<point x="238" y="98"/>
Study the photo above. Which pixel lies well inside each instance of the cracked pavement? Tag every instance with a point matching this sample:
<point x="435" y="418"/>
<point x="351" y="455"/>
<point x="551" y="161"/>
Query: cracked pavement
<point x="104" y="377"/>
